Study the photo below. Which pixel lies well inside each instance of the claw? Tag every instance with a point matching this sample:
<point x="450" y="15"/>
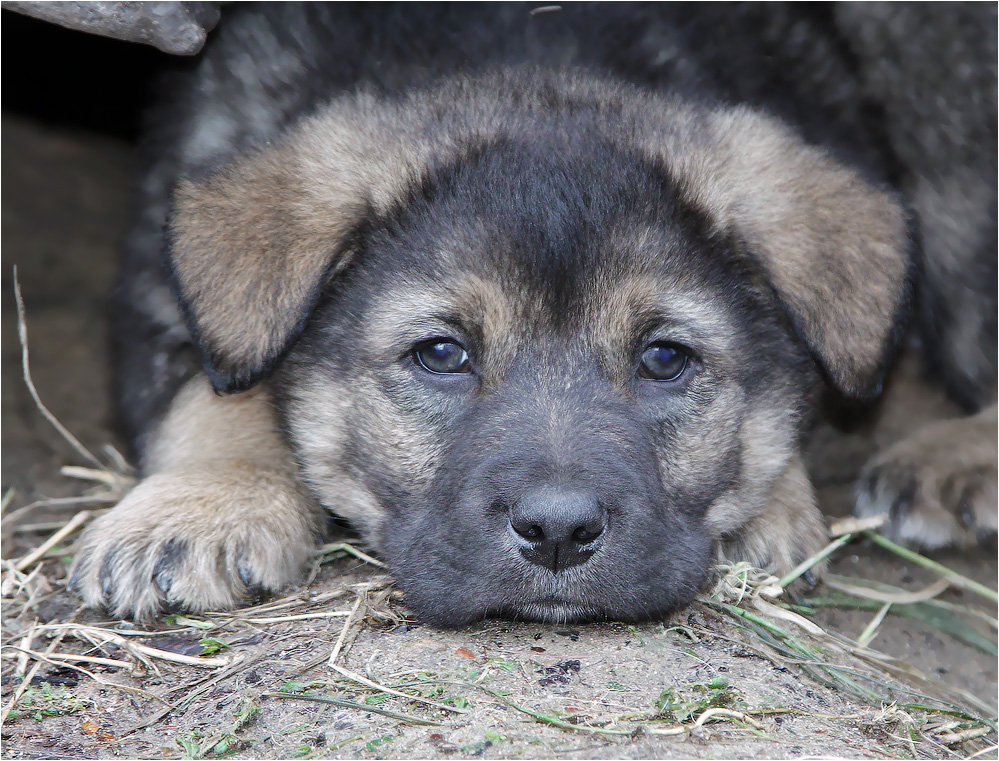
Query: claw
<point x="171" y="553"/>
<point x="904" y="501"/>
<point x="73" y="585"/>
<point x="106" y="575"/>
<point x="253" y="589"/>
<point x="870" y="484"/>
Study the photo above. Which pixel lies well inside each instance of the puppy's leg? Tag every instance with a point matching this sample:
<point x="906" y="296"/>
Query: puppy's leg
<point x="788" y="530"/>
<point x="938" y="487"/>
<point x="218" y="518"/>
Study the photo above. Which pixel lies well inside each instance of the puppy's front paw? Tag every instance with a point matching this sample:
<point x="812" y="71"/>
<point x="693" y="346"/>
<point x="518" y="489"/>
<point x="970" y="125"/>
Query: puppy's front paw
<point x="938" y="488"/>
<point x="788" y="530"/>
<point x="195" y="539"/>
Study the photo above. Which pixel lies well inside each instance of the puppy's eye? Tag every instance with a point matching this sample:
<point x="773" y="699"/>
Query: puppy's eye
<point x="663" y="362"/>
<point x="442" y="356"/>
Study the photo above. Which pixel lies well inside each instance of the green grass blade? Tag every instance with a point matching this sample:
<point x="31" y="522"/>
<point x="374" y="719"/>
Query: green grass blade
<point x="952" y="576"/>
<point x="928" y="612"/>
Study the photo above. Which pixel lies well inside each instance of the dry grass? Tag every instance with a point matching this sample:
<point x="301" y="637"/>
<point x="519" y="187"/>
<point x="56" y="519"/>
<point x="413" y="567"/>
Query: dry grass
<point x="928" y="712"/>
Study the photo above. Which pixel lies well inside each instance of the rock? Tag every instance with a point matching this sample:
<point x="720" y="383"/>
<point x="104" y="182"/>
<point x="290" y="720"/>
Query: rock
<point x="173" y="27"/>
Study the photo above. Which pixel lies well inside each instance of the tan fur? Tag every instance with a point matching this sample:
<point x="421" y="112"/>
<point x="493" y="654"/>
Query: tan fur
<point x="270" y="223"/>
<point x="617" y="306"/>
<point x="829" y="241"/>
<point x="318" y="420"/>
<point x="771" y="519"/>
<point x="767" y="450"/>
<point x="484" y="303"/>
<point x="788" y="530"/>
<point x="221" y="484"/>
<point x="410" y="312"/>
<point x="321" y="413"/>
<point x="938" y="485"/>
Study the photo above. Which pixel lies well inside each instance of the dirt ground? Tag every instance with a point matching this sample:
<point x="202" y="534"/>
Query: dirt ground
<point x="495" y="690"/>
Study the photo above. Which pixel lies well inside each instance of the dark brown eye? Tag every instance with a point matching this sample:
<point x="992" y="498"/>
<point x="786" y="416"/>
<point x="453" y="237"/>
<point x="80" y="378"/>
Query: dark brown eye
<point x="442" y="356"/>
<point x="663" y="362"/>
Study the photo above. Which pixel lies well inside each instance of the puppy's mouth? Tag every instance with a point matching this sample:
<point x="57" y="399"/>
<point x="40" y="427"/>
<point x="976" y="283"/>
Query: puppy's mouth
<point x="550" y="610"/>
<point x="621" y="585"/>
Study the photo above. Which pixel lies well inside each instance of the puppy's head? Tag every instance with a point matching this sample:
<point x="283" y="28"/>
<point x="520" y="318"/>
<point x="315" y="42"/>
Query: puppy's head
<point x="548" y="343"/>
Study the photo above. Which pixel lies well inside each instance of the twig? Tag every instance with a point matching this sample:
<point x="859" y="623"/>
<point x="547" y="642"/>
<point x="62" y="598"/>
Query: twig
<point x="121" y="632"/>
<point x="205" y="684"/>
<point x="166" y="655"/>
<point x="193" y="623"/>
<point x="35" y="555"/>
<point x="871" y="629"/>
<point x="770" y="609"/>
<point x="677" y="729"/>
<point x="117" y="459"/>
<point x="7" y="497"/>
<point x="853" y="525"/>
<point x="84" y="632"/>
<point x="724" y="713"/>
<point x="50" y="659"/>
<point x="388" y="690"/>
<point x="55" y="501"/>
<point x="351" y="704"/>
<point x="22" y="333"/>
<point x="28" y="652"/>
<point x="13" y="578"/>
<point x="350" y="549"/>
<point x="27" y="680"/>
<point x="281" y="603"/>
<point x="545" y="719"/>
<point x="982" y="752"/>
<point x="295" y="617"/>
<point x="39" y="528"/>
<point x="900" y="598"/>
<point x="815" y="559"/>
<point x="105" y="477"/>
<point x="953" y="738"/>
<point x="343" y="631"/>
<point x="24" y="648"/>
<point x="914" y="557"/>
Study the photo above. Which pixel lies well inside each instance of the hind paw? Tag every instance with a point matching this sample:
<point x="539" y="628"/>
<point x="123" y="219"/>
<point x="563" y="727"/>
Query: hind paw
<point x="937" y="488"/>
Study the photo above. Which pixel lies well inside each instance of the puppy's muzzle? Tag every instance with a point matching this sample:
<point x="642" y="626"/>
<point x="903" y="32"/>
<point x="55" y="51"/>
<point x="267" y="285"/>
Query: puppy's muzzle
<point x="557" y="528"/>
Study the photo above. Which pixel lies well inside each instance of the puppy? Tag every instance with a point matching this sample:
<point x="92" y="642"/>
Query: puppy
<point x="546" y="337"/>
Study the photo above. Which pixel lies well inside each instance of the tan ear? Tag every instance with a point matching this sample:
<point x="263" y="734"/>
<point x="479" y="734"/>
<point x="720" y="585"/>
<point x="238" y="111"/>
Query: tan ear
<point x="835" y="248"/>
<point x="252" y="246"/>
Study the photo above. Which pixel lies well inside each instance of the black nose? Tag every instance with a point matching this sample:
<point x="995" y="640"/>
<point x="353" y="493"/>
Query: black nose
<point x="557" y="528"/>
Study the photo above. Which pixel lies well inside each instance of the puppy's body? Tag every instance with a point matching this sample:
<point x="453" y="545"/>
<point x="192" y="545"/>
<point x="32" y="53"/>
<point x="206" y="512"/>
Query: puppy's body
<point x="553" y="224"/>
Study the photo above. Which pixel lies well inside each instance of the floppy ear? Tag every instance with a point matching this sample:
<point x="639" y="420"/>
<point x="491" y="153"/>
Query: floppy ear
<point x="835" y="248"/>
<point x="251" y="247"/>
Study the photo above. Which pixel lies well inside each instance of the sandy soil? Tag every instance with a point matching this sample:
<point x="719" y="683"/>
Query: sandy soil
<point x="594" y="691"/>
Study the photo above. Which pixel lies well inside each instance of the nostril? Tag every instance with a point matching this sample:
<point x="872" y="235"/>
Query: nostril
<point x="533" y="532"/>
<point x="586" y="534"/>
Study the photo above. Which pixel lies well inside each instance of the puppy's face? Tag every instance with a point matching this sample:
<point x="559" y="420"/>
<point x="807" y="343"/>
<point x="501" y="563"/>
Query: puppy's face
<point x="545" y="388"/>
<point x="543" y="337"/>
